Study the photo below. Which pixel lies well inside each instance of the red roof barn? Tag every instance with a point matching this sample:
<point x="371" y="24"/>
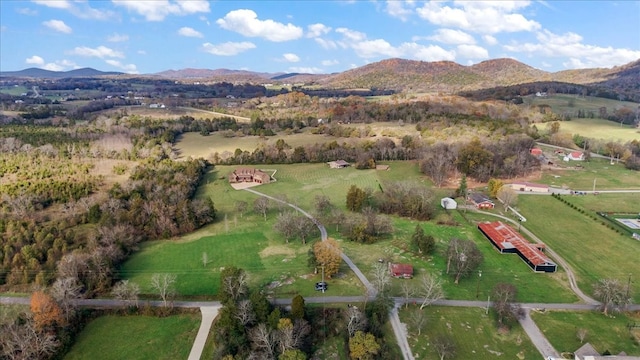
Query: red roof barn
<point x="536" y="151"/>
<point x="507" y="240"/>
<point x="401" y="270"/>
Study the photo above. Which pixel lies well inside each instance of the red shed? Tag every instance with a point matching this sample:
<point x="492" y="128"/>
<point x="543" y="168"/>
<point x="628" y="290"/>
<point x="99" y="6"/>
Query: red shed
<point x="401" y="270"/>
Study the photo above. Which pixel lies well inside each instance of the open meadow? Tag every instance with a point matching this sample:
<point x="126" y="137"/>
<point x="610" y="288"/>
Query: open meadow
<point x="568" y="103"/>
<point x="600" y="172"/>
<point x="473" y="332"/>
<point x="593" y="250"/>
<point x="600" y="129"/>
<point x="603" y="332"/>
<point x="139" y="337"/>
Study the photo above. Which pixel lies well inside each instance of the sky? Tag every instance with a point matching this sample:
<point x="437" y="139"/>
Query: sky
<point x="307" y="36"/>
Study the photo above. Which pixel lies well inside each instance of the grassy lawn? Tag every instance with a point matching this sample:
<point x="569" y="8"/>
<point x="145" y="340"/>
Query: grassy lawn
<point x="136" y="337"/>
<point x="604" y="333"/>
<point x="600" y="129"/>
<point x="592" y="250"/>
<point x="606" y="176"/>
<point x="496" y="268"/>
<point x="474" y="333"/>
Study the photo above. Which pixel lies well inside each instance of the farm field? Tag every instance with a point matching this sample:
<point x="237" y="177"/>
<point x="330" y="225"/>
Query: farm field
<point x="561" y="103"/>
<point x="139" y="337"/>
<point x="496" y="268"/>
<point x="606" y="176"/>
<point x="603" y="332"/>
<point x="589" y="247"/>
<point x="474" y="333"/>
<point x="608" y="202"/>
<point x="600" y="129"/>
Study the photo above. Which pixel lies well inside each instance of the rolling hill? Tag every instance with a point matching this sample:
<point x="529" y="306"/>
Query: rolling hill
<point x="48" y="74"/>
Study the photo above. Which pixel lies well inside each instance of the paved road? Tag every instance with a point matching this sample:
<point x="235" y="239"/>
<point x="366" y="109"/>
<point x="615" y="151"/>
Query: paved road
<point x="537" y="337"/>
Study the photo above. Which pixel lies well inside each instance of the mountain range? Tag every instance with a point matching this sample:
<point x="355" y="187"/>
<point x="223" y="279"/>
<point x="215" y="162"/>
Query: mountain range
<point x="394" y="74"/>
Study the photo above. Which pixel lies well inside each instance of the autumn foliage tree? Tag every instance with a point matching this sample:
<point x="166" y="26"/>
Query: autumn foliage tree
<point x="363" y="346"/>
<point x="46" y="312"/>
<point x="327" y="253"/>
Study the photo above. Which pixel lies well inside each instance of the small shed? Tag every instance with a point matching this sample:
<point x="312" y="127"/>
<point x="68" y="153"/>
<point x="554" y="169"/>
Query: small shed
<point x="448" y="203"/>
<point x="338" y="164"/>
<point x="536" y="152"/>
<point x="401" y="270"/>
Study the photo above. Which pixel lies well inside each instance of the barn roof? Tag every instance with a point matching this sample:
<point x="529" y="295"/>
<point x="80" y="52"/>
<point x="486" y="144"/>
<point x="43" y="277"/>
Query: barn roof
<point x="505" y="237"/>
<point x="401" y="269"/>
<point x="479" y="198"/>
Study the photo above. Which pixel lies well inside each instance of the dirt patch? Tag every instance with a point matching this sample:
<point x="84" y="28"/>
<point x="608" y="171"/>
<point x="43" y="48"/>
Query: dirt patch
<point x="277" y="250"/>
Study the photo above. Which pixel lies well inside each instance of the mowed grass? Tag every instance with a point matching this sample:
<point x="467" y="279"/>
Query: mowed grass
<point x="496" y="268"/>
<point x="136" y="337"/>
<point x="593" y="251"/>
<point x="566" y="103"/>
<point x="605" y="175"/>
<point x="603" y="332"/>
<point x="600" y="129"/>
<point x="474" y="333"/>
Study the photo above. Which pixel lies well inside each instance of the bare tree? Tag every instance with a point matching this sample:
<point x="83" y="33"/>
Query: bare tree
<point x="245" y="313"/>
<point x="612" y="294"/>
<point x="205" y="259"/>
<point x="504" y="296"/>
<point x="263" y="339"/>
<point x="381" y="276"/>
<point x="408" y="291"/>
<point x="285" y="225"/>
<point x="304" y="227"/>
<point x="25" y="341"/>
<point x="445" y="346"/>
<point x="323" y="204"/>
<point x="291" y="335"/>
<point x="581" y="334"/>
<point x="234" y="283"/>
<point x="418" y="320"/>
<point x="261" y="206"/>
<point x="127" y="292"/>
<point x="65" y="291"/>
<point x="241" y="207"/>
<point x="507" y="196"/>
<point x="355" y="319"/>
<point x="164" y="285"/>
<point x="430" y="290"/>
<point x="463" y="257"/>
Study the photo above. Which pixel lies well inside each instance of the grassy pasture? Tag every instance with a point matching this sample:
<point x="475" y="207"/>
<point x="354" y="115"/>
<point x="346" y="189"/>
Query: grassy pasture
<point x="474" y="333"/>
<point x="604" y="333"/>
<point x="563" y="103"/>
<point x="593" y="250"/>
<point x="496" y="267"/>
<point x="600" y="129"/>
<point x="136" y="337"/>
<point x="14" y="90"/>
<point x="606" y="176"/>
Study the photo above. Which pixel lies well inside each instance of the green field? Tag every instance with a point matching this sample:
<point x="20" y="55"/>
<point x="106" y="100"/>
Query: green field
<point x="593" y="251"/>
<point x="563" y="103"/>
<point x="605" y="175"/>
<point x="604" y="333"/>
<point x="475" y="335"/>
<point x="136" y="337"/>
<point x="600" y="129"/>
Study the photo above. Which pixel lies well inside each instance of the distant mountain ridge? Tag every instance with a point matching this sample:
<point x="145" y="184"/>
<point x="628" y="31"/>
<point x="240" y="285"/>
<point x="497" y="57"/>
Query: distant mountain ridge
<point x="400" y="75"/>
<point x="48" y="74"/>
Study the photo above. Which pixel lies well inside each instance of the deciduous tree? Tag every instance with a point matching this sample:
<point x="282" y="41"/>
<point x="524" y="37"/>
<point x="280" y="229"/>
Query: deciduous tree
<point x="612" y="294"/>
<point x="463" y="257"/>
<point x="164" y="285"/>
<point x="363" y="346"/>
<point x="504" y="297"/>
<point x="445" y="346"/>
<point x="508" y="196"/>
<point x="46" y="311"/>
<point x="233" y="284"/>
<point x="430" y="290"/>
<point x="327" y="254"/>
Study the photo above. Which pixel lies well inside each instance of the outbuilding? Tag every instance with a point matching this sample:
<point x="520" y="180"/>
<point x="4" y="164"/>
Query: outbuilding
<point x="401" y="270"/>
<point x="448" y="203"/>
<point x="530" y="187"/>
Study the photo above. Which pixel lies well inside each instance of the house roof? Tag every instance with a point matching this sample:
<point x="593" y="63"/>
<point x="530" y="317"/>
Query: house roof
<point x="536" y="151"/>
<point x="576" y="154"/>
<point x="586" y="350"/>
<point x="505" y="237"/>
<point x="341" y="163"/>
<point x="401" y="269"/>
<point x="479" y="198"/>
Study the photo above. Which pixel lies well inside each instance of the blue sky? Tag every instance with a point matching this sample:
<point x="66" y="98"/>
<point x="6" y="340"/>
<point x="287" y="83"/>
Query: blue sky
<point x="149" y="36"/>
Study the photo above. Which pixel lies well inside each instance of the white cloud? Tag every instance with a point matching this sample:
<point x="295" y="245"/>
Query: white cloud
<point x="449" y="36"/>
<point x="485" y="17"/>
<point x="326" y="44"/>
<point x="305" y="70"/>
<point x="400" y="9"/>
<point x="99" y="52"/>
<point x="228" y="48"/>
<point x="27" y="11"/>
<point x="57" y="4"/>
<point x="291" y="57"/>
<point x="117" y="38"/>
<point x="472" y="51"/>
<point x="158" y="10"/>
<point x="246" y="22"/>
<point x="141" y="52"/>
<point x="35" y="60"/>
<point x="53" y="67"/>
<point x="426" y="53"/>
<point x="374" y="48"/>
<point x="58" y="25"/>
<point x="569" y="45"/>
<point x="189" y="32"/>
<point x="351" y="35"/>
<point x="128" y="68"/>
<point x="329" y="62"/>
<point x="315" y="30"/>
<point x="491" y="40"/>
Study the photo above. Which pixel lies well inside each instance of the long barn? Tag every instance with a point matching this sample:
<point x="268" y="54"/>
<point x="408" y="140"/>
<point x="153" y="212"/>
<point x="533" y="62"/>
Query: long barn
<point x="507" y="240"/>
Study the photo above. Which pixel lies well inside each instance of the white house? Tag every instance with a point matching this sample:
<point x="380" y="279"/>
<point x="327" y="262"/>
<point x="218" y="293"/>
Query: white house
<point x="575" y="156"/>
<point x="448" y="203"/>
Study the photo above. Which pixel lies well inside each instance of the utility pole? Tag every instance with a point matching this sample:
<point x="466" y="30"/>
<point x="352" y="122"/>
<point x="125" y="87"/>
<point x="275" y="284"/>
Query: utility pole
<point x="594" y="184"/>
<point x="629" y="287"/>
<point x="323" y="286"/>
<point x="478" y="284"/>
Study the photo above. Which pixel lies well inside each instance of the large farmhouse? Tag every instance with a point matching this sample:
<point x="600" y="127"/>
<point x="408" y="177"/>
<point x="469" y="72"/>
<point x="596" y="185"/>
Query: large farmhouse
<point x="507" y="241"/>
<point x="249" y="175"/>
